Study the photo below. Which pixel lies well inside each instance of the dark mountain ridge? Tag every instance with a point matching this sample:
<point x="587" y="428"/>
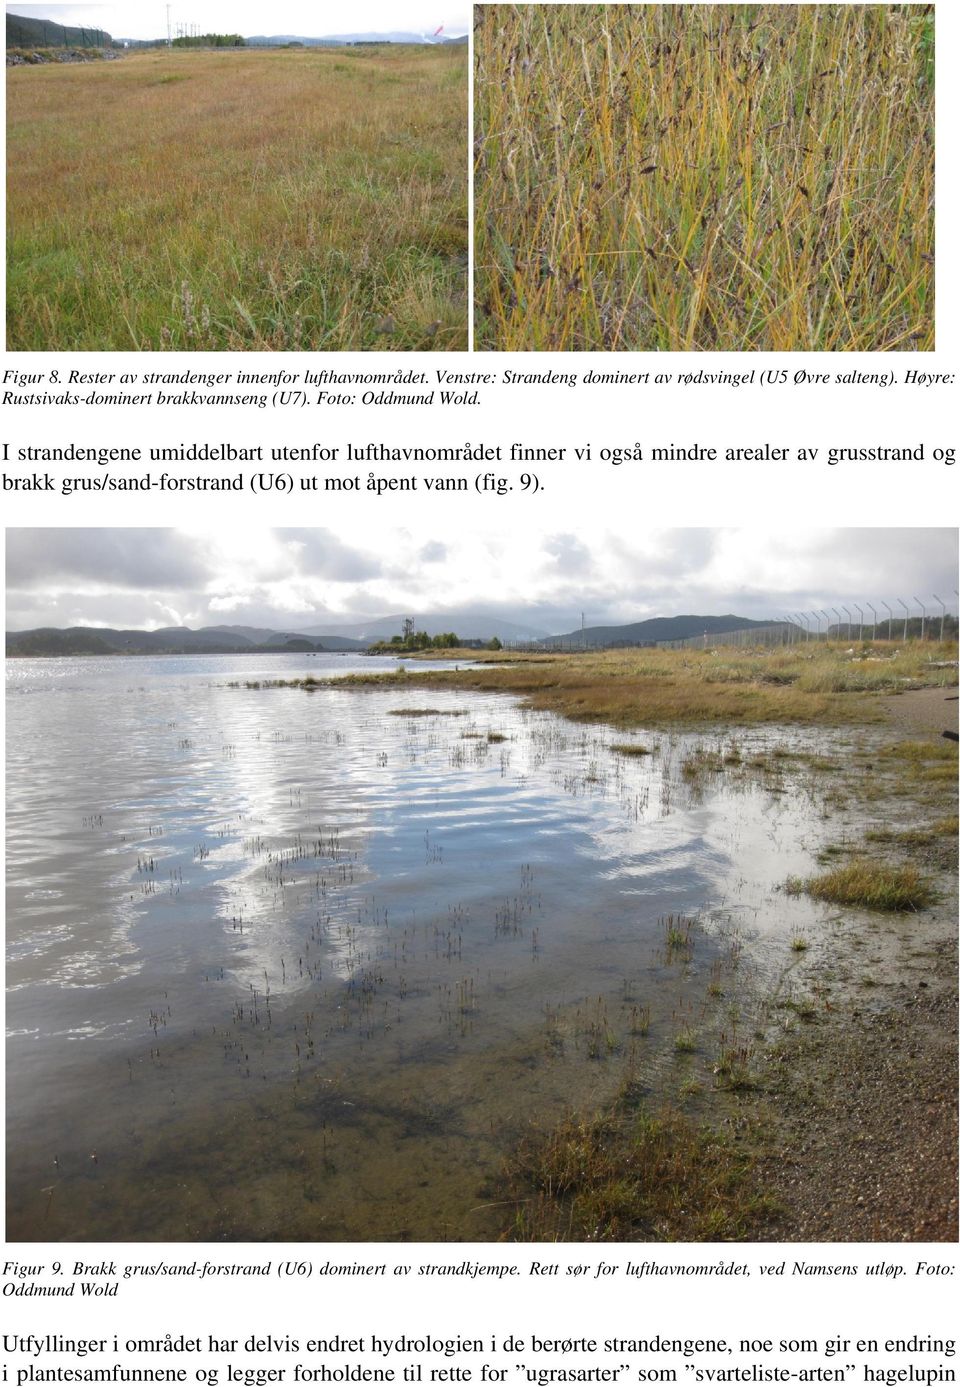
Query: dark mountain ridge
<point x="657" y="628"/>
<point x="172" y="640"/>
<point x="235" y="640"/>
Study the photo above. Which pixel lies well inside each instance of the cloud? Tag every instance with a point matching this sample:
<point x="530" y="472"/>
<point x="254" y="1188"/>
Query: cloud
<point x="143" y="559"/>
<point x="321" y="554"/>
<point x="291" y="579"/>
<point x="569" y="553"/>
<point x="29" y="608"/>
<point x="434" y="552"/>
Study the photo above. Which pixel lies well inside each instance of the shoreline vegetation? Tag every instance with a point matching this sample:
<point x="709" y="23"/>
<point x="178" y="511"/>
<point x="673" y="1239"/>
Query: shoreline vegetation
<point x="834" y="683"/>
<point x="239" y="200"/>
<point x="842" y="1077"/>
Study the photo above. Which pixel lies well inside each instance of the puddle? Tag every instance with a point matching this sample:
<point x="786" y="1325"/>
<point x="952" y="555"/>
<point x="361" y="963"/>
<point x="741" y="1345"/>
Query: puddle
<point x="291" y="966"/>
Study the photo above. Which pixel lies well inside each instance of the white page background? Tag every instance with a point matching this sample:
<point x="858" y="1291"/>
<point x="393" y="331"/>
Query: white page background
<point x="590" y="499"/>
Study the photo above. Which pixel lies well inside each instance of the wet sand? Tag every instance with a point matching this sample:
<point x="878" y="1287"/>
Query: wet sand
<point x="861" y="1103"/>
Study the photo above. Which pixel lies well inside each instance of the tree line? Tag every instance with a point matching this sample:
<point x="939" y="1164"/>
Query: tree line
<point x="419" y="640"/>
<point x="210" y="41"/>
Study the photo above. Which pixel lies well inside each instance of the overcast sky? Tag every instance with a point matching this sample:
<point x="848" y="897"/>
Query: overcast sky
<point x="149" y="21"/>
<point x="291" y="579"/>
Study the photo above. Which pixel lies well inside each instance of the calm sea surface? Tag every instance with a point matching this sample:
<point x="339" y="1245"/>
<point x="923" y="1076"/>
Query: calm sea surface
<point x="307" y="965"/>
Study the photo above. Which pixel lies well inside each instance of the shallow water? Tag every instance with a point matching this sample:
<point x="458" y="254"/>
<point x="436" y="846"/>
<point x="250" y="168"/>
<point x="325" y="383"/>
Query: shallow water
<point x="287" y="965"/>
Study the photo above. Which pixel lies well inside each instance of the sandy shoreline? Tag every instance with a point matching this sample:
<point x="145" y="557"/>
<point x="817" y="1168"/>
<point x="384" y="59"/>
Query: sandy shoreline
<point x="862" y="1100"/>
<point x="923" y="710"/>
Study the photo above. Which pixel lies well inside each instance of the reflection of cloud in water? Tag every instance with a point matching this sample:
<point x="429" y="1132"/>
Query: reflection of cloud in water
<point x="411" y="895"/>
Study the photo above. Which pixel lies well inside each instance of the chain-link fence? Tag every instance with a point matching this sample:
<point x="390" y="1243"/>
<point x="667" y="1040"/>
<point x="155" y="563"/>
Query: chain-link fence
<point x="854" y="622"/>
<point x="44" y="33"/>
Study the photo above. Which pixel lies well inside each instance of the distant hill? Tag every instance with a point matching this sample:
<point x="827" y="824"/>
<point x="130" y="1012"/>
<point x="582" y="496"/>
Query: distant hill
<point x="234" y="640"/>
<point x="282" y="40"/>
<point x="255" y="634"/>
<point x="341" y="40"/>
<point x="172" y="640"/>
<point x="43" y="33"/>
<point x="45" y="641"/>
<point x="658" y="628"/>
<point x="469" y="623"/>
<point x="260" y="637"/>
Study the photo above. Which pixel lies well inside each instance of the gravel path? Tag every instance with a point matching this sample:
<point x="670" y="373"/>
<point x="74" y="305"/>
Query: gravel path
<point x="923" y="710"/>
<point x="866" y="1111"/>
<point x="862" y="1097"/>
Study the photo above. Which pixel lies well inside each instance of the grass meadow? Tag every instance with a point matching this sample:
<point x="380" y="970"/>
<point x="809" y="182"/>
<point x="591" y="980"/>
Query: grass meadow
<point x="705" y="177"/>
<point x="239" y="200"/>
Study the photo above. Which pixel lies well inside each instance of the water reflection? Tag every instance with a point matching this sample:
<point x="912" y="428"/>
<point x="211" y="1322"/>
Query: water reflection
<point x="279" y="961"/>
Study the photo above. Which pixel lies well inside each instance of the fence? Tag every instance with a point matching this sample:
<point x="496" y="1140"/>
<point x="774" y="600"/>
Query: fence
<point x="44" y="33"/>
<point x="843" y="623"/>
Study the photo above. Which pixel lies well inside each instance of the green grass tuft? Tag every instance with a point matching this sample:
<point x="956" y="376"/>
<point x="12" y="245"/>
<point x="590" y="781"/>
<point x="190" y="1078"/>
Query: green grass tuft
<point x="872" y="886"/>
<point x="630" y="1175"/>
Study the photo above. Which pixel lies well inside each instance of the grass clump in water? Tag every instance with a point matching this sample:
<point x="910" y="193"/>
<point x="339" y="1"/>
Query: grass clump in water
<point x="701" y="763"/>
<point x="630" y="1174"/>
<point x="678" y="937"/>
<point x="733" y="1069"/>
<point x="921" y="837"/>
<point x="872" y="886"/>
<point x="427" y="712"/>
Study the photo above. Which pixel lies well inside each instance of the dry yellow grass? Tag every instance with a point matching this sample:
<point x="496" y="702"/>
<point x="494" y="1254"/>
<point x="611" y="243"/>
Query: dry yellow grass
<point x="643" y="687"/>
<point x="243" y="199"/>
<point x="704" y="177"/>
